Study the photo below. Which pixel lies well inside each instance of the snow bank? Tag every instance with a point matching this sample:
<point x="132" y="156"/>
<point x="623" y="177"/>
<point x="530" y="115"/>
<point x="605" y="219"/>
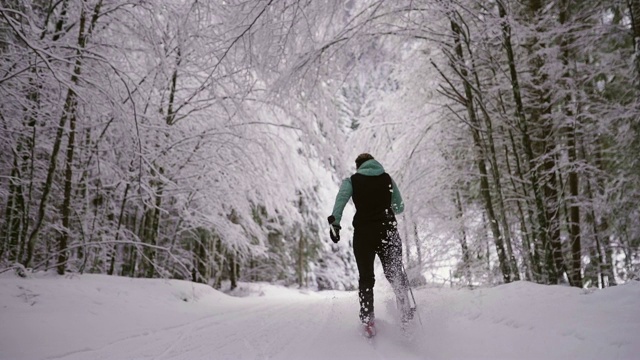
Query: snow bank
<point x="47" y="314"/>
<point x="523" y="320"/>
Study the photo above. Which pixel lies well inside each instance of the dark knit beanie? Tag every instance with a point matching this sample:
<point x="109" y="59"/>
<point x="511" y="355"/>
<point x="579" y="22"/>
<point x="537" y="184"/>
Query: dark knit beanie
<point x="362" y="158"/>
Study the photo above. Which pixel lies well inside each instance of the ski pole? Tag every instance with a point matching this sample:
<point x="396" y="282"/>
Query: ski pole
<point x="415" y="305"/>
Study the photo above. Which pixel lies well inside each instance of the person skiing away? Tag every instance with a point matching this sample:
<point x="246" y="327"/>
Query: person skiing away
<point x="377" y="200"/>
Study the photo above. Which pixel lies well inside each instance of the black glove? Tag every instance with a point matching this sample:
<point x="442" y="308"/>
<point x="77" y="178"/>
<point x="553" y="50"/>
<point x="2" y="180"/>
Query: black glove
<point x="334" y="232"/>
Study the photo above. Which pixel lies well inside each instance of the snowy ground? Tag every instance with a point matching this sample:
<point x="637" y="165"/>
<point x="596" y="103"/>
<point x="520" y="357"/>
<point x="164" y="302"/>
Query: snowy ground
<point x="97" y="317"/>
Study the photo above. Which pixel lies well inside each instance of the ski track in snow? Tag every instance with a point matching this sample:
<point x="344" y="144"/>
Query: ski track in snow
<point x="273" y="329"/>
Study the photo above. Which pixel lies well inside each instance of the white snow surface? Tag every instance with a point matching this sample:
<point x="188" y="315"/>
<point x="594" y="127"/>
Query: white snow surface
<point x="97" y="317"/>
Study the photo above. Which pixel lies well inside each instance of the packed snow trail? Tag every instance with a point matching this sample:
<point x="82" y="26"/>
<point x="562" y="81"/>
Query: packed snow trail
<point x="98" y="317"/>
<point x="261" y="328"/>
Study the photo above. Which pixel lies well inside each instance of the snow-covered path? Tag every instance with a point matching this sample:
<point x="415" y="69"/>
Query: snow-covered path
<point x="262" y="328"/>
<point x="110" y="318"/>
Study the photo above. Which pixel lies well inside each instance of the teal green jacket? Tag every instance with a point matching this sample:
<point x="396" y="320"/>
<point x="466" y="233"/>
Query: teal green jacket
<point x="369" y="168"/>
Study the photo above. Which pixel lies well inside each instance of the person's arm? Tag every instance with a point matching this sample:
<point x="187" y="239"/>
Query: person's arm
<point x="344" y="194"/>
<point x="397" y="205"/>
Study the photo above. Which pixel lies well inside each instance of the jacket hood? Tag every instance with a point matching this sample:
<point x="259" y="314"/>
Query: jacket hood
<point x="371" y="168"/>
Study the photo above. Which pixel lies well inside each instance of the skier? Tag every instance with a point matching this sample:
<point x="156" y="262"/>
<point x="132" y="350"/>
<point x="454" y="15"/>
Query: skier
<point x="377" y="201"/>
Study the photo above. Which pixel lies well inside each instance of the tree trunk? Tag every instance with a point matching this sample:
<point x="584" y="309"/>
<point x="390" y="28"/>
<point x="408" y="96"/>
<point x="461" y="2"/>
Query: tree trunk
<point x="200" y="255"/>
<point x="66" y="203"/>
<point x="600" y="261"/>
<point x="68" y="111"/>
<point x="26" y="146"/>
<point x="218" y="261"/>
<point x="16" y="225"/>
<point x="146" y="238"/>
<point x="480" y="153"/>
<point x="153" y="252"/>
<point x="574" y="215"/>
<point x="495" y="172"/>
<point x="128" y="266"/>
<point x="466" y="257"/>
<point x="599" y="223"/>
<point x="418" y="247"/>
<point x="151" y="236"/>
<point x="47" y="187"/>
<point x="571" y="129"/>
<point x="28" y="166"/>
<point x="528" y="241"/>
<point x="554" y="256"/>
<point x="301" y="260"/>
<point x="233" y="271"/>
<point x="546" y="231"/>
<point x="528" y="261"/>
<point x="634" y="11"/>
<point x="114" y="250"/>
<point x="11" y="231"/>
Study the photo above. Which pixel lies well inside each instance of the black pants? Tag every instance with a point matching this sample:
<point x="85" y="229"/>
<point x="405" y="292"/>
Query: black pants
<point x="384" y="241"/>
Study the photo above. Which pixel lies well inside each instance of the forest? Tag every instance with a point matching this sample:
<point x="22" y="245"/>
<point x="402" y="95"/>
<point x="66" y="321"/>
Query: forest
<point x="205" y="140"/>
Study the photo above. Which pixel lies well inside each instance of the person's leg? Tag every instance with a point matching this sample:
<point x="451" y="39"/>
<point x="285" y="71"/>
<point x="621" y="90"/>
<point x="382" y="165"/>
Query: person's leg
<point x="365" y="255"/>
<point x="390" y="254"/>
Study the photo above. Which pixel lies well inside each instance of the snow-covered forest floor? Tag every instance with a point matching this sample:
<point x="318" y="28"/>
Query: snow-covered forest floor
<point x="106" y="317"/>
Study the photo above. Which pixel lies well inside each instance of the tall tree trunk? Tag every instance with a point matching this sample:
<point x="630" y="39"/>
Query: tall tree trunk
<point x="574" y="216"/>
<point x="151" y="235"/>
<point x="546" y="231"/>
<point x="407" y="251"/>
<point x="419" y="264"/>
<point x="487" y="254"/>
<point x="575" y="268"/>
<point x="129" y="265"/>
<point x="233" y="271"/>
<point x="480" y="152"/>
<point x="47" y="185"/>
<point x="68" y="179"/>
<point x="68" y="111"/>
<point x="528" y="241"/>
<point x="26" y="145"/>
<point x="28" y="160"/>
<point x="541" y="138"/>
<point x="600" y="261"/>
<point x="153" y="252"/>
<point x="11" y="231"/>
<point x="300" y="260"/>
<point x="634" y="11"/>
<point x="218" y="261"/>
<point x="200" y="255"/>
<point x="631" y="244"/>
<point x="16" y="225"/>
<point x="600" y="223"/>
<point x="466" y="257"/>
<point x="114" y="250"/>
<point x="554" y="255"/>
<point x="495" y="171"/>
<point x="528" y="261"/>
<point x="609" y="264"/>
